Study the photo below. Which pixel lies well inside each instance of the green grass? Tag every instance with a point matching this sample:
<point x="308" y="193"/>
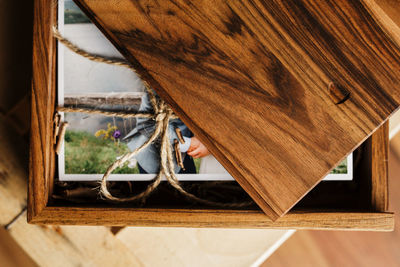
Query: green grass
<point x="341" y="168"/>
<point x="197" y="164"/>
<point x="87" y="154"/>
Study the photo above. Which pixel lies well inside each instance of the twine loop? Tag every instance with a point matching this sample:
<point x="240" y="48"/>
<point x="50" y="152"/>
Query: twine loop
<point x="162" y="115"/>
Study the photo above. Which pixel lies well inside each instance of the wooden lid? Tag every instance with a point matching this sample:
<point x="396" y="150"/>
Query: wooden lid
<point x="279" y="91"/>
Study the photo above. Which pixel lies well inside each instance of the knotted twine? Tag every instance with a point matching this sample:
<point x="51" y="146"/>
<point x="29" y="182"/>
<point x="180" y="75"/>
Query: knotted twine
<point x="162" y="115"/>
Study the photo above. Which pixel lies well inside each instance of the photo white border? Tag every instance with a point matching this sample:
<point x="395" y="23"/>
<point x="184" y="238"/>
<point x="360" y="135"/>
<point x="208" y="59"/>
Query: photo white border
<point x="60" y="82"/>
<point x="342" y="176"/>
<point x="142" y="177"/>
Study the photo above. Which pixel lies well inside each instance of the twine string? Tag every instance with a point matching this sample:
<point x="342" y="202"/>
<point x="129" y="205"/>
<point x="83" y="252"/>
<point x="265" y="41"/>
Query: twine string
<point x="162" y="115"/>
<point x="120" y="114"/>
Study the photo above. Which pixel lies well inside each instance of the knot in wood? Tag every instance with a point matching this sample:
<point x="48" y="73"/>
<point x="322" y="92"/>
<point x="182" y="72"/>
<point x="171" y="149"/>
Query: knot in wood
<point x="337" y="93"/>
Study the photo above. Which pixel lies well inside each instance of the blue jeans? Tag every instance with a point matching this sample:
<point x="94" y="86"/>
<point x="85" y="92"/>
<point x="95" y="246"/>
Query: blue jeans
<point x="190" y="167"/>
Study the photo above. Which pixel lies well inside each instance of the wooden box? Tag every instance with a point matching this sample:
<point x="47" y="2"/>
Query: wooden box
<point x="357" y="205"/>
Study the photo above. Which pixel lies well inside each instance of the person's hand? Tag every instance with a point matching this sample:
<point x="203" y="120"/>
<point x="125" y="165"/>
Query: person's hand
<point x="197" y="149"/>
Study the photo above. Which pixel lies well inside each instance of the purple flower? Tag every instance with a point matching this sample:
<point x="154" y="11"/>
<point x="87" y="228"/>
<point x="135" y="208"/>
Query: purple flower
<point x="116" y="134"/>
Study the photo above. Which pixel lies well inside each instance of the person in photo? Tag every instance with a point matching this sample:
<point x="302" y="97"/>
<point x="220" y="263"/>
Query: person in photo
<point x="148" y="160"/>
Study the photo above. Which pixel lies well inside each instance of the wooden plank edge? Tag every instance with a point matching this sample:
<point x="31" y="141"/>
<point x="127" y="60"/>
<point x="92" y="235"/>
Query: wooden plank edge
<point x="377" y="9"/>
<point x="316" y="220"/>
<point x="41" y="156"/>
<point x="379" y="144"/>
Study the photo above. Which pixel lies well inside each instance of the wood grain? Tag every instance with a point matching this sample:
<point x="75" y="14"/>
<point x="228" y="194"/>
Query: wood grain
<point x="42" y="174"/>
<point x="387" y="13"/>
<point x="210" y="247"/>
<point x="13" y="173"/>
<point x="317" y="248"/>
<point x="99" y="100"/>
<point x="11" y="254"/>
<point x="42" y="156"/>
<point x="250" y="78"/>
<point x="321" y="248"/>
<point x="379" y="169"/>
<point x="71" y="246"/>
<point x="308" y="219"/>
<point x="394" y="125"/>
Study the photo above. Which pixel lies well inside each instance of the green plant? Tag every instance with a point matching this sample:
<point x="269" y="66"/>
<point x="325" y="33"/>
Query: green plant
<point x="86" y="154"/>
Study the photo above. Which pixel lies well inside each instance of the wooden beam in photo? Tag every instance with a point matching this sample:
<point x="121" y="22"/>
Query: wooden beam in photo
<point x="100" y="99"/>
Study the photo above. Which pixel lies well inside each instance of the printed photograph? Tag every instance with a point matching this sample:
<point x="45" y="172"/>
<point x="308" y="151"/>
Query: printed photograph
<point x="93" y="142"/>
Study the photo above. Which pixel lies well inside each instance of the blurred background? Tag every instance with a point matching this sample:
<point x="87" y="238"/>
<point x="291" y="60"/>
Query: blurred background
<point x="31" y="245"/>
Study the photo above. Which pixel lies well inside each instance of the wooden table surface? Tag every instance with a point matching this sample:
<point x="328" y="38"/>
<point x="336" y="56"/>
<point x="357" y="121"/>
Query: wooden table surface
<point x="30" y="245"/>
<point x="330" y="249"/>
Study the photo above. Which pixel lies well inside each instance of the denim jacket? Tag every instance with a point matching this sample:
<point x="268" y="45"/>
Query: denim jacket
<point x="149" y="158"/>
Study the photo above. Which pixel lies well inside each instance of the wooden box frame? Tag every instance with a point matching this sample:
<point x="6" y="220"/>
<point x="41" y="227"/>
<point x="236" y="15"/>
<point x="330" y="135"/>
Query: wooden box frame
<point x="372" y="216"/>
